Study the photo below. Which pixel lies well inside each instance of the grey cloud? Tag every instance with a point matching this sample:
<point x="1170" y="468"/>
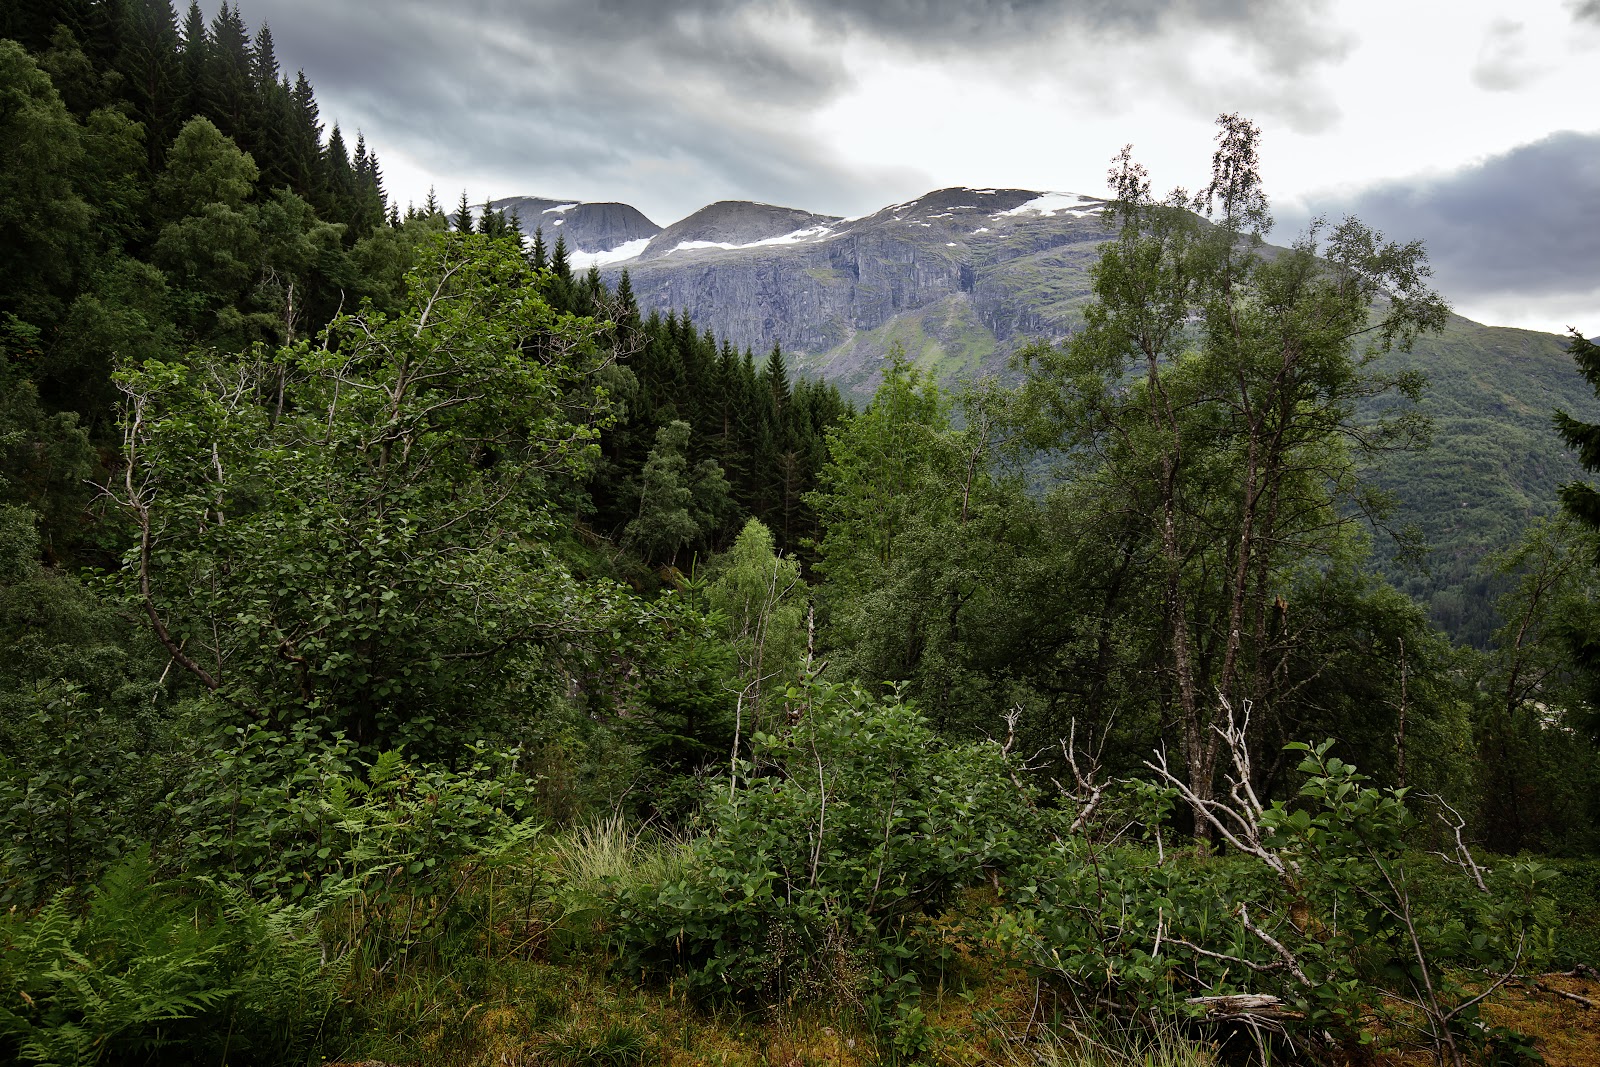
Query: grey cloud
<point x="1518" y="224"/>
<point x="1503" y="60"/>
<point x="1587" y="9"/>
<point x="682" y="101"/>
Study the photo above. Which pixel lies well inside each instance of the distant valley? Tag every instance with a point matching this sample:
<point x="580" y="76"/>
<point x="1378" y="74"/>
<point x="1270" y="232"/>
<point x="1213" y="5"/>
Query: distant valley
<point x="961" y="278"/>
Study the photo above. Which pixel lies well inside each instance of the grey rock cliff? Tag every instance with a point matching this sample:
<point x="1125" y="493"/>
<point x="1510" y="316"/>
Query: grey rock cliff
<point x="959" y="276"/>
<point x="597" y="227"/>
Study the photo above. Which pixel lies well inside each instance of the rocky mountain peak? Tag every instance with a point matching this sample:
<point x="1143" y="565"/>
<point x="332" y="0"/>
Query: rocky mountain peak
<point x="737" y="224"/>
<point x="594" y="232"/>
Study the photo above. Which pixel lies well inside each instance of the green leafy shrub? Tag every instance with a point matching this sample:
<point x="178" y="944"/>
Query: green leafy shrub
<point x="294" y="813"/>
<point x="1320" y="903"/>
<point x="822" y="859"/>
<point x="1576" y="892"/>
<point x="77" y="783"/>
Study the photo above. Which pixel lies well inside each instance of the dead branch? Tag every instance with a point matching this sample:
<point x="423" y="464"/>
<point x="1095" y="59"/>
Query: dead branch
<point x="1462" y="856"/>
<point x="1236" y="819"/>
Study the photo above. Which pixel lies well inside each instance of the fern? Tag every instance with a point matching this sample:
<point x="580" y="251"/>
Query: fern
<point x="201" y="972"/>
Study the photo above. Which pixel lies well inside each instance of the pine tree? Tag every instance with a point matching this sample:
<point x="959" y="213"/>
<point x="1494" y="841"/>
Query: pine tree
<point x="227" y="85"/>
<point x="149" y="62"/>
<point x="539" y="256"/>
<point x="430" y="206"/>
<point x="463" y="216"/>
<point x="558" y="259"/>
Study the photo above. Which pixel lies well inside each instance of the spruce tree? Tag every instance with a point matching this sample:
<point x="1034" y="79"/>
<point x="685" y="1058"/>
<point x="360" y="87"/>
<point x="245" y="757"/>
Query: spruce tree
<point x="227" y="85"/>
<point x="264" y="60"/>
<point x="307" y="174"/>
<point x="538" y="257"/>
<point x="368" y="204"/>
<point x="776" y="378"/>
<point x="1580" y="499"/>
<point x="558" y="259"/>
<point x="626" y="300"/>
<point x="149" y="62"/>
<point x="463" y="216"/>
<point x="196" y="54"/>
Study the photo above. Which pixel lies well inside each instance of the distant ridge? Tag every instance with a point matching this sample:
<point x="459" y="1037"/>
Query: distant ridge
<point x="595" y="233"/>
<point x="734" y="224"/>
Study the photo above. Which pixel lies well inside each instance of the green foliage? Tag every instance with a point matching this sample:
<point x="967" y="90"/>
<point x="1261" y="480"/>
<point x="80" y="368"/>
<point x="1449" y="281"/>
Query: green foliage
<point x="1575" y="892"/>
<point x="295" y="815"/>
<point x="357" y="532"/>
<point x="44" y="461"/>
<point x="44" y="222"/>
<point x="1324" y="906"/>
<point x="144" y="969"/>
<point x="760" y="597"/>
<point x="822" y="860"/>
<point x="677" y="505"/>
<point x="78" y="785"/>
<point x="1538" y="775"/>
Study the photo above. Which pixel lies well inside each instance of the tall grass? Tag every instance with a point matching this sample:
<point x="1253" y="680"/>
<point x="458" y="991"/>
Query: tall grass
<point x="1096" y="1043"/>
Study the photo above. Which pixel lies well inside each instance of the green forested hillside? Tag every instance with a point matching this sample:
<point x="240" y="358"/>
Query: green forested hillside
<point x="409" y="650"/>
<point x="1494" y="466"/>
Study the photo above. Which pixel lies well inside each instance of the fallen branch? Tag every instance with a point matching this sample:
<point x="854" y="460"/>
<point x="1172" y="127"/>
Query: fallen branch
<point x="1235" y="1005"/>
<point x="1583" y="1002"/>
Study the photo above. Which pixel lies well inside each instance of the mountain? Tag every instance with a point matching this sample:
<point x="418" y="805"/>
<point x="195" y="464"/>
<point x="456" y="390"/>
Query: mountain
<point x="961" y="278"/>
<point x="732" y="225"/>
<point x="596" y="233"/>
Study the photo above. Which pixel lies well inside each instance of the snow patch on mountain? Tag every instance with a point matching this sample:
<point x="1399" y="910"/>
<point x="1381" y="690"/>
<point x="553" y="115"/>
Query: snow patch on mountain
<point x="581" y="260"/>
<point x="800" y="236"/>
<point x="1074" y="205"/>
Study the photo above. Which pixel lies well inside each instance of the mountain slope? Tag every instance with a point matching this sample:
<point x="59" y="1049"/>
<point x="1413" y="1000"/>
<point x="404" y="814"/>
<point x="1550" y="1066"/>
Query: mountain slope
<point x="960" y="278"/>
<point x="594" y="232"/>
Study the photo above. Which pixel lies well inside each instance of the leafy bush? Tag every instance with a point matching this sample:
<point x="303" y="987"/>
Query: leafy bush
<point x="820" y="860"/>
<point x="293" y="813"/>
<point x="1576" y="892"/>
<point x="1319" y="904"/>
<point x="77" y="783"/>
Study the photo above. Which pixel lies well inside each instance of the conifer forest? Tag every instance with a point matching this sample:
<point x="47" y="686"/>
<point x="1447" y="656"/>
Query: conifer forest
<point x="412" y="652"/>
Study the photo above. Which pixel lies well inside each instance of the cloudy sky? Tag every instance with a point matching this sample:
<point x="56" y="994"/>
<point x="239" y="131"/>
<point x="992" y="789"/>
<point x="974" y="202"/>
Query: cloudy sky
<point x="1471" y="124"/>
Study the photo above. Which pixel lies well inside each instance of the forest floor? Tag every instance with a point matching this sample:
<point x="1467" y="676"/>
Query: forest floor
<point x="1567" y="1033"/>
<point x="569" y="1015"/>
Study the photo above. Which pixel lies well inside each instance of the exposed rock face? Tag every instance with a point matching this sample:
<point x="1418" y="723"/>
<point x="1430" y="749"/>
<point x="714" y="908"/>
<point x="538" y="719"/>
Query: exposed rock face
<point x="957" y="277"/>
<point x="591" y="228"/>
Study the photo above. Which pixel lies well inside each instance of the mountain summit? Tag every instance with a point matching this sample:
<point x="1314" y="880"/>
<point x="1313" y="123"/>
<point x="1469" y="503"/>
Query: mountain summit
<point x="596" y="233"/>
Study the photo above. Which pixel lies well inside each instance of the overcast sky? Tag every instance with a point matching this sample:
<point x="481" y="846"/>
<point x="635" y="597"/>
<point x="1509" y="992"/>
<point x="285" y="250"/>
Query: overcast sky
<point x="1471" y="124"/>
